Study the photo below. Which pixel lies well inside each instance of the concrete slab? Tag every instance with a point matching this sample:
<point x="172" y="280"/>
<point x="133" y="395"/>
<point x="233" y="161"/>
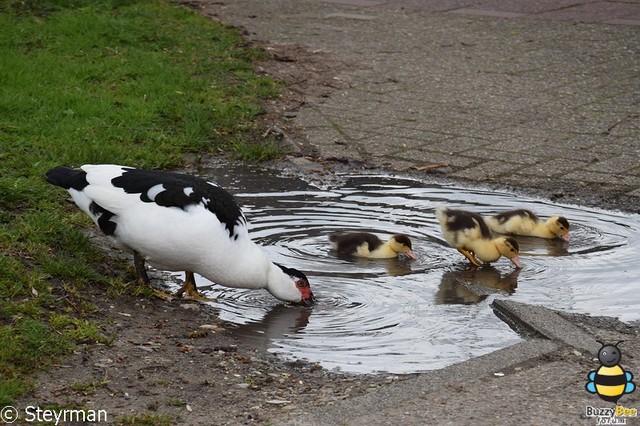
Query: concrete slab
<point x="543" y="322"/>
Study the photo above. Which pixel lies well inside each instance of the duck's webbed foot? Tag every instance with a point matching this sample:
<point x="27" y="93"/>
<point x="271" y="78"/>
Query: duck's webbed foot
<point x="189" y="290"/>
<point x="469" y="255"/>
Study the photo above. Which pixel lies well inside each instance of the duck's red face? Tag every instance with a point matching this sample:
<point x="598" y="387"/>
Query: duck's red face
<point x="304" y="288"/>
<point x="287" y="290"/>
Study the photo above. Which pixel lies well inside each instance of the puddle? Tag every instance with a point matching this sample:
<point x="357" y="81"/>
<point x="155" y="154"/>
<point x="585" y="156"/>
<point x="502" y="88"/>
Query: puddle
<point x="403" y="316"/>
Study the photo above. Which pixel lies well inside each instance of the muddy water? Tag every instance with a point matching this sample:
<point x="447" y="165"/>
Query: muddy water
<point x="404" y="316"/>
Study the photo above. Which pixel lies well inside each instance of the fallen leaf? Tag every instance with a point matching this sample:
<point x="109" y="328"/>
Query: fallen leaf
<point x="197" y="334"/>
<point x="432" y="166"/>
<point x="210" y="327"/>
<point x="278" y="401"/>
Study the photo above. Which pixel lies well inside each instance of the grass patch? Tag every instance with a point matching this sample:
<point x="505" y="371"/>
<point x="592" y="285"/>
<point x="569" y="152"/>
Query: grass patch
<point x="251" y="151"/>
<point x="175" y="403"/>
<point x="135" y="82"/>
<point x="89" y="388"/>
<point x="144" y="419"/>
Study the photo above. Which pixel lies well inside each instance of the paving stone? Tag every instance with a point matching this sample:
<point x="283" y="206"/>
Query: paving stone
<point x="525" y="96"/>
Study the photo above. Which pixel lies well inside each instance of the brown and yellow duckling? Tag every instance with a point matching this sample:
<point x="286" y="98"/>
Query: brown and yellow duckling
<point x="468" y="232"/>
<point x="526" y="223"/>
<point x="364" y="244"/>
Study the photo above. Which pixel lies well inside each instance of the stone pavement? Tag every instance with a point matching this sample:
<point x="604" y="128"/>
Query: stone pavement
<point x="540" y="381"/>
<point x="538" y="95"/>
<point x="531" y="94"/>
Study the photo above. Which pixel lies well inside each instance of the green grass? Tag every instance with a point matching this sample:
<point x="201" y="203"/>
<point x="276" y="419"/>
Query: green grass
<point x="132" y="82"/>
<point x="175" y="403"/>
<point x="146" y="419"/>
<point x="89" y="388"/>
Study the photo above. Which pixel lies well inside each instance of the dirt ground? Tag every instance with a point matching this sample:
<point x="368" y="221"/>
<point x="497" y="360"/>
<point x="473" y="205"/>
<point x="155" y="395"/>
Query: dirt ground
<point x="179" y="360"/>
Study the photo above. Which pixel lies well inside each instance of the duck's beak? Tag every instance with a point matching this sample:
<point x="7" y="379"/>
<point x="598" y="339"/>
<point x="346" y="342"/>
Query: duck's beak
<point x="565" y="237"/>
<point x="309" y="301"/>
<point x="516" y="261"/>
<point x="411" y="255"/>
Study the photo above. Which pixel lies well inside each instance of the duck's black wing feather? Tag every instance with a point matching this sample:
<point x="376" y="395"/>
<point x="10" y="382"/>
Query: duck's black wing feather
<point x="180" y="190"/>
<point x="459" y="220"/>
<point x="505" y="216"/>
<point x="349" y="243"/>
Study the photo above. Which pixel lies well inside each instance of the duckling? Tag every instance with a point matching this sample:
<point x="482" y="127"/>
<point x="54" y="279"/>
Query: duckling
<point x="364" y="244"/>
<point x="468" y="232"/>
<point x="525" y="222"/>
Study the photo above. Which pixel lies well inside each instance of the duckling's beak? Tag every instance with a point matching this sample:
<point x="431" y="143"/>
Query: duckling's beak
<point x="411" y="255"/>
<point x="565" y="237"/>
<point x="516" y="261"/>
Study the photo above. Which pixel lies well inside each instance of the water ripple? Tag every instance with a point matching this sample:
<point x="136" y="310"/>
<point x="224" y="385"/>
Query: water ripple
<point x="402" y="316"/>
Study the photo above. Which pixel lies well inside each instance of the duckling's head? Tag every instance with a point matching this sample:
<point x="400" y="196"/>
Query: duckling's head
<point x="508" y="247"/>
<point x="559" y="226"/>
<point x="400" y="243"/>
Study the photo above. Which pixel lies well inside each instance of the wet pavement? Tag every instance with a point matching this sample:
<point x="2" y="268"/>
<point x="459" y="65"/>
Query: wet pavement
<point x="519" y="93"/>
<point x="541" y="96"/>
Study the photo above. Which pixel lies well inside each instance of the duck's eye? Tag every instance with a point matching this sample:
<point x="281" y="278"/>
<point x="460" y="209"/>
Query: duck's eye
<point x="299" y="284"/>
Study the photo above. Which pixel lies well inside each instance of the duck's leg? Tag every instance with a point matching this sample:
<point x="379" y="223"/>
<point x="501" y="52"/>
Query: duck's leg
<point x="143" y="278"/>
<point x="138" y="262"/>
<point x="189" y="289"/>
<point x="469" y="256"/>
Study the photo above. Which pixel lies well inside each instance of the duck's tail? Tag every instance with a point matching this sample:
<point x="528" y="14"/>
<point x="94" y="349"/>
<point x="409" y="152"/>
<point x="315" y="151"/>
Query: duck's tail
<point x="67" y="178"/>
<point x="333" y="239"/>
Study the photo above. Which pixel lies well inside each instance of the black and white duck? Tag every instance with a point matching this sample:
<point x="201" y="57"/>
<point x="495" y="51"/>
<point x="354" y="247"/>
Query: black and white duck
<point x="178" y="222"/>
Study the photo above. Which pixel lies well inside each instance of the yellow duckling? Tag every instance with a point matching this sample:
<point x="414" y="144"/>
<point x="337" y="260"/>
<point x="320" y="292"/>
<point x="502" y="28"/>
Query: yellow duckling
<point x="468" y="232"/>
<point x="364" y="244"/>
<point x="525" y="222"/>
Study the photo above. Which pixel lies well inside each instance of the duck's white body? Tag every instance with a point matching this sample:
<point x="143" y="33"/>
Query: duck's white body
<point x="177" y="223"/>
<point x="191" y="243"/>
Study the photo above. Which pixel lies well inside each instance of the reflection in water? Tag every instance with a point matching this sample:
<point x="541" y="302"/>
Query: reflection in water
<point x="395" y="267"/>
<point x="405" y="316"/>
<point x="543" y="247"/>
<point x="280" y="322"/>
<point x="475" y="284"/>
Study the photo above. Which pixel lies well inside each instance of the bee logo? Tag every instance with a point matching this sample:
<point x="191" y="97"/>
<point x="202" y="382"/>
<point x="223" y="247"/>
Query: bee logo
<point x="610" y="381"/>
